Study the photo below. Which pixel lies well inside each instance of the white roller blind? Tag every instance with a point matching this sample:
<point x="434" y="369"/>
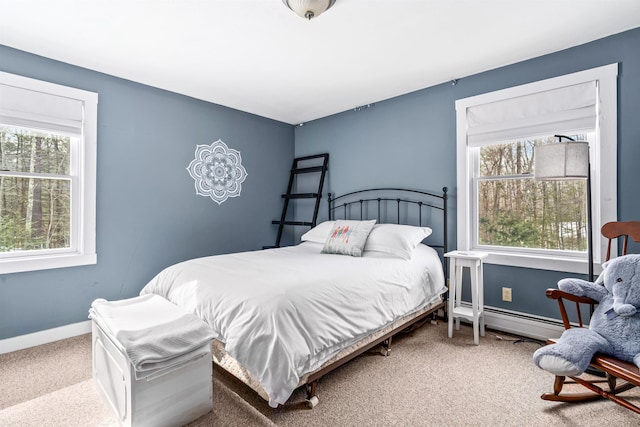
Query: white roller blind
<point x="40" y="110"/>
<point x="571" y="107"/>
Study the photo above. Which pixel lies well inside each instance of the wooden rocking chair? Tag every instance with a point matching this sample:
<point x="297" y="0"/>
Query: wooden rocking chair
<point x="614" y="369"/>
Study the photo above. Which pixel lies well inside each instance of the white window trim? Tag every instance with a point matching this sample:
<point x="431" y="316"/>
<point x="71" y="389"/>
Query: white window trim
<point x="603" y="158"/>
<point x="84" y="200"/>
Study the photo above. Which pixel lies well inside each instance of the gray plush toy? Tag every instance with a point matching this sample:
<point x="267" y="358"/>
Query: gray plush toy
<point x="614" y="328"/>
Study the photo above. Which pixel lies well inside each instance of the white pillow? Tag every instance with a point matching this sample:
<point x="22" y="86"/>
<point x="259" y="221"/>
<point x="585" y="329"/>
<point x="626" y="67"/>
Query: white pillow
<point x="319" y="233"/>
<point x="396" y="239"/>
<point x="348" y="237"/>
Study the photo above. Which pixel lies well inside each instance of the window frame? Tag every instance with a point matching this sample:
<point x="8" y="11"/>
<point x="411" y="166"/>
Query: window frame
<point x="82" y="249"/>
<point x="603" y="157"/>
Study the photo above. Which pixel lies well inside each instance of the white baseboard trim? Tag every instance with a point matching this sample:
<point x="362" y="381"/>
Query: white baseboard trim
<point x="522" y="324"/>
<point x="43" y="337"/>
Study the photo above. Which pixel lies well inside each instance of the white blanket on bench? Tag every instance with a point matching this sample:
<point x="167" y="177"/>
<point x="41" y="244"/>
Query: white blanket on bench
<point x="154" y="332"/>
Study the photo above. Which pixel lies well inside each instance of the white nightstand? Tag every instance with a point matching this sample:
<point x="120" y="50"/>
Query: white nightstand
<point x="457" y="261"/>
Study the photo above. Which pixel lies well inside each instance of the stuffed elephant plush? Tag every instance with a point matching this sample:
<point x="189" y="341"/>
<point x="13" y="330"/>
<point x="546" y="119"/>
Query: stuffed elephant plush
<point x="614" y="328"/>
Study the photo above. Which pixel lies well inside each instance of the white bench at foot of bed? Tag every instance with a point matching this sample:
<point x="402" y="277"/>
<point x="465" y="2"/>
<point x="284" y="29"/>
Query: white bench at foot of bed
<point x="171" y="397"/>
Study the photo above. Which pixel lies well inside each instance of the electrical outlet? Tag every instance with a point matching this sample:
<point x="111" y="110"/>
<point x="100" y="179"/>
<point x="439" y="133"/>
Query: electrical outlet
<point x="506" y="294"/>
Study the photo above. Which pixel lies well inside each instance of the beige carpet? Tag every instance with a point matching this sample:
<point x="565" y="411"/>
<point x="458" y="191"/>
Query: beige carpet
<point x="428" y="380"/>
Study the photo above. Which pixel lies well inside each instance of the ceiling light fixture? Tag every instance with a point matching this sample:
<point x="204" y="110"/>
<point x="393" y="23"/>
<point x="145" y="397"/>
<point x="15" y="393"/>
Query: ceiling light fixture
<point x="309" y="8"/>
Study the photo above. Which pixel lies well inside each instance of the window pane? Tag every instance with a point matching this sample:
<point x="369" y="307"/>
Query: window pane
<point x="525" y="214"/>
<point x="34" y="214"/>
<point x="507" y="159"/>
<point x="515" y="211"/>
<point x="26" y="150"/>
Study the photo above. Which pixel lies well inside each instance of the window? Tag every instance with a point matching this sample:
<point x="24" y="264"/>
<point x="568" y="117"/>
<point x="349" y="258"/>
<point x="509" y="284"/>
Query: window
<point x="515" y="211"/>
<point x="502" y="210"/>
<point x="47" y="175"/>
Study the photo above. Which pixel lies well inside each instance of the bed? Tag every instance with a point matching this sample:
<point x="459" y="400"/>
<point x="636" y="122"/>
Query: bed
<point x="284" y="317"/>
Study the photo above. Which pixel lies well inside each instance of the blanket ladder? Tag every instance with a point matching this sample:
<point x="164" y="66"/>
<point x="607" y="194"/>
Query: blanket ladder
<point x="306" y="172"/>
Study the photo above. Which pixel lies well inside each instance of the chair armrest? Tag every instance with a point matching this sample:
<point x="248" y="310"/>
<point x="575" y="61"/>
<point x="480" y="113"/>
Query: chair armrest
<point x="562" y="296"/>
<point x="557" y="294"/>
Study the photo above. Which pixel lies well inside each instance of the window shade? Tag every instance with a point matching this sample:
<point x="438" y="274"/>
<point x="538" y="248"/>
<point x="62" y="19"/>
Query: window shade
<point x="567" y="108"/>
<point x="30" y="108"/>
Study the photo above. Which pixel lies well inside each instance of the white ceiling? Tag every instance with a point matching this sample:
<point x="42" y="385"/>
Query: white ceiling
<point x="258" y="56"/>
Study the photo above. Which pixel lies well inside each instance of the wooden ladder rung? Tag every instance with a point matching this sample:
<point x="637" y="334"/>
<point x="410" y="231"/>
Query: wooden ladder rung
<point x="301" y="196"/>
<point x="310" y="169"/>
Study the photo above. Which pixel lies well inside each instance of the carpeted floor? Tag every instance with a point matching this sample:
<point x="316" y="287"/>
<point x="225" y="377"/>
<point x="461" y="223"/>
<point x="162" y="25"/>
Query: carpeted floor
<point x="429" y="380"/>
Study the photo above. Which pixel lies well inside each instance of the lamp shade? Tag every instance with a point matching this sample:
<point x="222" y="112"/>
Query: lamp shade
<point x="562" y="160"/>
<point x="309" y="8"/>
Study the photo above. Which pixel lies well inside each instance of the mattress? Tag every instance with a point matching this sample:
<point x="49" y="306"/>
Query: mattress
<point x="282" y="313"/>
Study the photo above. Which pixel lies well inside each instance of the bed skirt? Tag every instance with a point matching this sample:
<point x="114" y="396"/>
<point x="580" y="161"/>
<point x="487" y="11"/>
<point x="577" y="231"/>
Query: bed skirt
<point x="232" y="366"/>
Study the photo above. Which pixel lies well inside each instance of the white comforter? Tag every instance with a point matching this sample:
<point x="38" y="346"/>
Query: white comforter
<point x="282" y="312"/>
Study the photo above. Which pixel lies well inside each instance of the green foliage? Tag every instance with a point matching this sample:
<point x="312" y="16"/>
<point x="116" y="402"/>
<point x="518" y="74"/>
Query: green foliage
<point x="510" y="230"/>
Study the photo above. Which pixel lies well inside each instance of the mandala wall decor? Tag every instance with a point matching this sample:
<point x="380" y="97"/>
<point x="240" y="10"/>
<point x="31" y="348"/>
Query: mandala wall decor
<point x="218" y="171"/>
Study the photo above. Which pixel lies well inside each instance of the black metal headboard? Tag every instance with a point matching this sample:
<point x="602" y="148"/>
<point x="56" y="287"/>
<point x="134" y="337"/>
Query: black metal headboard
<point x="406" y="206"/>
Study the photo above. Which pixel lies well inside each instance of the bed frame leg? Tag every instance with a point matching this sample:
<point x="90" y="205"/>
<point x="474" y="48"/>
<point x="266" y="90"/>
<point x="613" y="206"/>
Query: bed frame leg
<point x="434" y="317"/>
<point x="312" y="397"/>
<point x="386" y="347"/>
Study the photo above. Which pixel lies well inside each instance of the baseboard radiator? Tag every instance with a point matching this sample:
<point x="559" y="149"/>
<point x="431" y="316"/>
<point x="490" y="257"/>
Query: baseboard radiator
<point x="521" y="324"/>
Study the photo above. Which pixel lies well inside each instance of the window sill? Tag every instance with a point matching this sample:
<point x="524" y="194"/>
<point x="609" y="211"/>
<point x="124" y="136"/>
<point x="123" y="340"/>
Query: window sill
<point x="46" y="262"/>
<point x="541" y="262"/>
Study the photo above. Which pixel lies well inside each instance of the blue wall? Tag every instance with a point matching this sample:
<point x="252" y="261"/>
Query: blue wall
<point x="410" y="141"/>
<point x="148" y="214"/>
